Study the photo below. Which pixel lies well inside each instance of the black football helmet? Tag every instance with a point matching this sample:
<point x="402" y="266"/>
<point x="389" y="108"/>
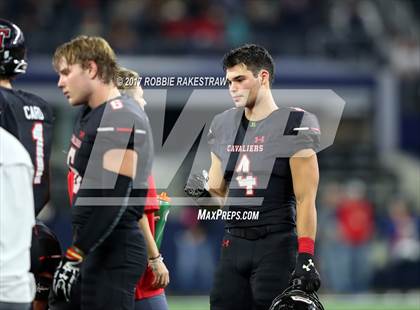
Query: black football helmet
<point x="293" y="298"/>
<point x="12" y="50"/>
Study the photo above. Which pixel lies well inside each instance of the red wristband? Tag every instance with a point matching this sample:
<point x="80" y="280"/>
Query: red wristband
<point x="306" y="245"/>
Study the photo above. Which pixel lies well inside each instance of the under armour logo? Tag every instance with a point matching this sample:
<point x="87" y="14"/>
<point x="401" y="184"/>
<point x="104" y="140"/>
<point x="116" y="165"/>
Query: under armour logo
<point x="259" y="139"/>
<point x="225" y="243"/>
<point x="308" y="266"/>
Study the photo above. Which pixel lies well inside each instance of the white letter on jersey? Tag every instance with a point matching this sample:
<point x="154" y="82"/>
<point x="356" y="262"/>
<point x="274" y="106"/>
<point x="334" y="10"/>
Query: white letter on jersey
<point x="33" y="113"/>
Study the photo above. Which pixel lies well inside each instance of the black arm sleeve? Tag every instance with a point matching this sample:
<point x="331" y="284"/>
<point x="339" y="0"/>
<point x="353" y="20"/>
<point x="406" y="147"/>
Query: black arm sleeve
<point x="103" y="217"/>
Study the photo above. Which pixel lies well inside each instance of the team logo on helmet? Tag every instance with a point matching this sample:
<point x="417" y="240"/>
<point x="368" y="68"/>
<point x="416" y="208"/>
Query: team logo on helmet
<point x="4" y="34"/>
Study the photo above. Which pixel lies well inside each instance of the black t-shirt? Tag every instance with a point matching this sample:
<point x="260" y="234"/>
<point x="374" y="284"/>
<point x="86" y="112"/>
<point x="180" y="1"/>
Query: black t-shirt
<point x="255" y="160"/>
<point x="30" y="119"/>
<point x="117" y="124"/>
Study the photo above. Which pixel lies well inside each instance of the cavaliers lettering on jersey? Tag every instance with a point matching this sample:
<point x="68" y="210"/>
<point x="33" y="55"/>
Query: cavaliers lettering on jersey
<point x="117" y="124"/>
<point x="255" y="160"/>
<point x="30" y="119"/>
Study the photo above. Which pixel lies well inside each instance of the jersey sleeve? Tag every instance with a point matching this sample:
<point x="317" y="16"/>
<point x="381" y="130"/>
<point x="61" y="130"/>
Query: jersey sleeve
<point x="303" y="127"/>
<point x="120" y="129"/>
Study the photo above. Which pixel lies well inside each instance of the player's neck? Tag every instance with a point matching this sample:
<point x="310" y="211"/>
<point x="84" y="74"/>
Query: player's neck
<point x="6" y="84"/>
<point x="102" y="94"/>
<point x="263" y="107"/>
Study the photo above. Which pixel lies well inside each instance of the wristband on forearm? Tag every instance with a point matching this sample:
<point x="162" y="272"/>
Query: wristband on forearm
<point x="306" y="245"/>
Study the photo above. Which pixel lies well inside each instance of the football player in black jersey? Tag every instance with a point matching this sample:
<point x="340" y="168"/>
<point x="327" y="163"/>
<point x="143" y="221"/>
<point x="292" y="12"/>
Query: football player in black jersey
<point x="30" y="119"/>
<point x="25" y="115"/>
<point x="259" y="149"/>
<point x="110" y="158"/>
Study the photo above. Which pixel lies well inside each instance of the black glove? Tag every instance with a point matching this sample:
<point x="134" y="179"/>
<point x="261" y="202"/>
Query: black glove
<point x="67" y="273"/>
<point x="197" y="186"/>
<point x="305" y="275"/>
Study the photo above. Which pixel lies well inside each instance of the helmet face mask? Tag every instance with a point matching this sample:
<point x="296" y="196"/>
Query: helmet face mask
<point x="295" y="299"/>
<point x="12" y="50"/>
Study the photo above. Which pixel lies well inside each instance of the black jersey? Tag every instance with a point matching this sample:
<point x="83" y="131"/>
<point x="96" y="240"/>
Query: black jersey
<point x="30" y="119"/>
<point x="117" y="124"/>
<point x="255" y="160"/>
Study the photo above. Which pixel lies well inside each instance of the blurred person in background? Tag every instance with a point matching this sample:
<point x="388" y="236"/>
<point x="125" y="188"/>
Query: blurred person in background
<point x="194" y="255"/>
<point x="17" y="218"/>
<point x="356" y="227"/>
<point x="402" y="230"/>
<point x="150" y="294"/>
<point x="329" y="244"/>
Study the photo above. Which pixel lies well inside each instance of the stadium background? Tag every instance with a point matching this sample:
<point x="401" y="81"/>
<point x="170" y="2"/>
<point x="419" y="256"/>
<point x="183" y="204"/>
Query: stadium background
<point x="366" y="51"/>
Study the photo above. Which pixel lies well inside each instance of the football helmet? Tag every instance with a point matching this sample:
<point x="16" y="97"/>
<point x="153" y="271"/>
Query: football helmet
<point x="12" y="49"/>
<point x="293" y="298"/>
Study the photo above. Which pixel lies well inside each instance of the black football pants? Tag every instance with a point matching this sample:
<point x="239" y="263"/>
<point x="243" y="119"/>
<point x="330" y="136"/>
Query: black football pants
<point x="109" y="274"/>
<point x="251" y="273"/>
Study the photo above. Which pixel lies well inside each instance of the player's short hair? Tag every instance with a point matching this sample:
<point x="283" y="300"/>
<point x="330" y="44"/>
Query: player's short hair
<point x="126" y="79"/>
<point x="255" y="58"/>
<point x="83" y="49"/>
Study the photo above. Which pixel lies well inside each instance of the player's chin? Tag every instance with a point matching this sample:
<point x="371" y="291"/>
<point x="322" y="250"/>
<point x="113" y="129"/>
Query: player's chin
<point x="240" y="103"/>
<point x="74" y="102"/>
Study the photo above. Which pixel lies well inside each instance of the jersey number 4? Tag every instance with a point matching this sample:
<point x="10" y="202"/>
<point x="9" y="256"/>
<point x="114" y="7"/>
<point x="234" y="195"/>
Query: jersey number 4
<point x="38" y="137"/>
<point x="249" y="181"/>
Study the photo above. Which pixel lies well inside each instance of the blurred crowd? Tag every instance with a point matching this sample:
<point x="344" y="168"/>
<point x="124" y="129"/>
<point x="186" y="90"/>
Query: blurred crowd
<point x="365" y="246"/>
<point x="348" y="28"/>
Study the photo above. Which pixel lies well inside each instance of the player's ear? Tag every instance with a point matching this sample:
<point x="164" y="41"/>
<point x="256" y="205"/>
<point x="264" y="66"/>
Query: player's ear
<point x="264" y="76"/>
<point x="92" y="69"/>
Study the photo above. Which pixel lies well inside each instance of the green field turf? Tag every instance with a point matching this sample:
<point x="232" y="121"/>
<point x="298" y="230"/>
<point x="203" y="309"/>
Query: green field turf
<point x="346" y="302"/>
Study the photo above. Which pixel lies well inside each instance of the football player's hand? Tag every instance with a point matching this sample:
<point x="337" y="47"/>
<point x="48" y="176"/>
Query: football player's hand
<point x="160" y="272"/>
<point x="305" y="274"/>
<point x="67" y="273"/>
<point x="197" y="185"/>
